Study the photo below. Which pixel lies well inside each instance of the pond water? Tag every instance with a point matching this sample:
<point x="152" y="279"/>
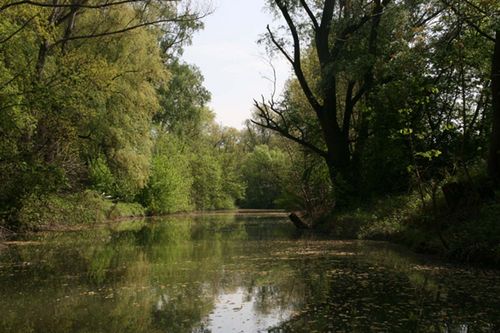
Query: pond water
<point x="233" y="273"/>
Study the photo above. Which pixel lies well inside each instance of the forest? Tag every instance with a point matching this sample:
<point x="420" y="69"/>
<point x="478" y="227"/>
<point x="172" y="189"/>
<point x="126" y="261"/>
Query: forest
<point x="388" y="128"/>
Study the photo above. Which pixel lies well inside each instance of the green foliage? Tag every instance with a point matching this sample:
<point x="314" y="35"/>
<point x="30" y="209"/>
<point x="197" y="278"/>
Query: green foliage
<point x="100" y="176"/>
<point x="80" y="113"/>
<point x="124" y="210"/>
<point x="55" y="211"/>
<point x="469" y="236"/>
<point x="402" y="105"/>
<point x="169" y="185"/>
<point x="384" y="219"/>
<point x="115" y="114"/>
<point x="264" y="171"/>
<point x="183" y="101"/>
<point x="207" y="191"/>
<point x="90" y="101"/>
<point x="199" y="169"/>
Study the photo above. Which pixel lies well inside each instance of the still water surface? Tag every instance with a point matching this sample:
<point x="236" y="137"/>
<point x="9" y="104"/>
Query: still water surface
<point x="234" y="273"/>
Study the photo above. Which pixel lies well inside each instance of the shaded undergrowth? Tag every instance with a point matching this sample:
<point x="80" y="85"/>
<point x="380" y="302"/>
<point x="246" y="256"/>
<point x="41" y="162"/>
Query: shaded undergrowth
<point x="467" y="233"/>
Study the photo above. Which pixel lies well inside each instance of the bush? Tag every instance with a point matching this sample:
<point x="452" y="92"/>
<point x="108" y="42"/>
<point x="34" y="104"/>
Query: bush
<point x="45" y="211"/>
<point x="477" y="238"/>
<point x="467" y="235"/>
<point x="169" y="185"/>
<point x="101" y="177"/>
<point x="380" y="220"/>
<point x="125" y="209"/>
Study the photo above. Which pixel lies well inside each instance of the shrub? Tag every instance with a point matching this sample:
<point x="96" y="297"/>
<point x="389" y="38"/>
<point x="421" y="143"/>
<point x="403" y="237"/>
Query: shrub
<point x="477" y="238"/>
<point x="45" y="211"/>
<point x="169" y="185"/>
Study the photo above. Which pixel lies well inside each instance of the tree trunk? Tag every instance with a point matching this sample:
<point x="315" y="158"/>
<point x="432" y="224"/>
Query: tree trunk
<point x="42" y="59"/>
<point x="338" y="154"/>
<point x="494" y="156"/>
<point x="43" y="51"/>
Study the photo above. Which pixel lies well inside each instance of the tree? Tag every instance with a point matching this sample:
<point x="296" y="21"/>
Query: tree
<point x="78" y="90"/>
<point x="484" y="18"/>
<point x="61" y="20"/>
<point x="183" y="101"/>
<point x="336" y="31"/>
<point x="211" y="151"/>
<point x="494" y="157"/>
<point x="264" y="188"/>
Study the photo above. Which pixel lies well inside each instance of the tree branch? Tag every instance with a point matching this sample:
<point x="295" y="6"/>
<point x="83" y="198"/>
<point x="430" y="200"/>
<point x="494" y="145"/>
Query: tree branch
<point x="296" y="63"/>
<point x="279" y="46"/>
<point x="468" y="21"/>
<point x="106" y="4"/>
<point x="127" y="29"/>
<point x="344" y="36"/>
<point x="284" y="130"/>
<point x="310" y="14"/>
<point x="287" y="135"/>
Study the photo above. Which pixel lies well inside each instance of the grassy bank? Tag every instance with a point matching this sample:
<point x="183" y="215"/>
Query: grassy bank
<point x="85" y="208"/>
<point x="466" y="234"/>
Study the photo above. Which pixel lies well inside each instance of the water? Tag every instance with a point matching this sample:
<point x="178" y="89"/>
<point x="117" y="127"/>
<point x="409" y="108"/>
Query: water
<point x="228" y="273"/>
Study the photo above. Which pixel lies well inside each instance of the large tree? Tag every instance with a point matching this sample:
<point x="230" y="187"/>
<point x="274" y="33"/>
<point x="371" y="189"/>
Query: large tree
<point x="344" y="39"/>
<point x="78" y="90"/>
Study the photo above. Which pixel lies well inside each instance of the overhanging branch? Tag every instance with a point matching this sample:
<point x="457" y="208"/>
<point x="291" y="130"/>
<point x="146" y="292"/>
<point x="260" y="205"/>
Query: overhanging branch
<point x="127" y="29"/>
<point x="105" y="4"/>
<point x="265" y="113"/>
<point x="296" y="60"/>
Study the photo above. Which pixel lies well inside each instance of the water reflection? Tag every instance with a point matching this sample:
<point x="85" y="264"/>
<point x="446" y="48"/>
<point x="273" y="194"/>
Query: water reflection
<point x="242" y="311"/>
<point x="233" y="274"/>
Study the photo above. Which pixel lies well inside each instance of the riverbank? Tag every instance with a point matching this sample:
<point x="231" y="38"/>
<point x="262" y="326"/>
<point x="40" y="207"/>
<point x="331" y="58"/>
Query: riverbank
<point x="61" y="212"/>
<point x="466" y="234"/>
<point x="78" y="211"/>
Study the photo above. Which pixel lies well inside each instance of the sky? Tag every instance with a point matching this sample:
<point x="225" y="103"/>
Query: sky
<point x="235" y="67"/>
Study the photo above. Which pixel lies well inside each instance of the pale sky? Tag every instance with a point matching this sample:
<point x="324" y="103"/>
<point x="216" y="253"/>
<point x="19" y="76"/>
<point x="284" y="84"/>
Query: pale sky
<point x="233" y="64"/>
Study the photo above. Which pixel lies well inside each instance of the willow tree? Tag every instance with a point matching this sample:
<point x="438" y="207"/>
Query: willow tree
<point x="78" y="84"/>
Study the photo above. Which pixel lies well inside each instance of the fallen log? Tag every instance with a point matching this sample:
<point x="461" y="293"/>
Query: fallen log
<point x="299" y="221"/>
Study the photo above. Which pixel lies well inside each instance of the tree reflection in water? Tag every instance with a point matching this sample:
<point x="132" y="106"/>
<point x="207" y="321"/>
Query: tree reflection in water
<point x="220" y="273"/>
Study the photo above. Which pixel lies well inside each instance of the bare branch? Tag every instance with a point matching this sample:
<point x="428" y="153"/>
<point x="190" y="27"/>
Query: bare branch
<point x="105" y="4"/>
<point x="265" y="113"/>
<point x="273" y="80"/>
<point x="310" y="14"/>
<point x="296" y="63"/>
<point x="468" y="21"/>
<point x="279" y="46"/>
<point x="287" y="135"/>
